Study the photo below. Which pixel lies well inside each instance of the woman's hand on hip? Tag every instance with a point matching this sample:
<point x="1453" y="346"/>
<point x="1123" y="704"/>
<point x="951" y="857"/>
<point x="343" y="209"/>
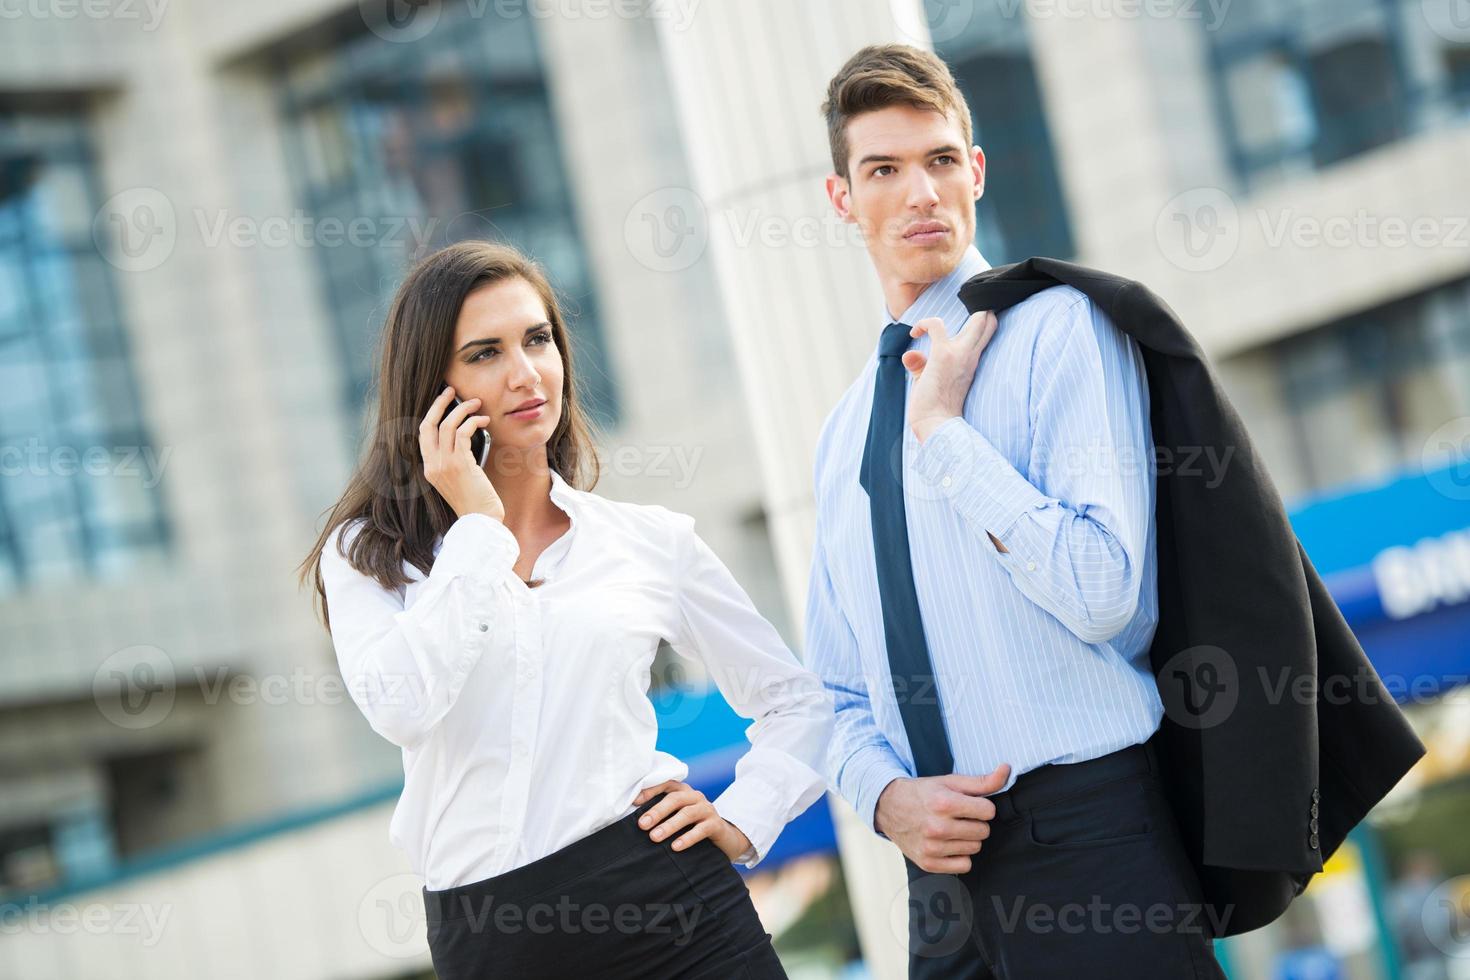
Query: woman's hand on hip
<point x="686" y="807"/>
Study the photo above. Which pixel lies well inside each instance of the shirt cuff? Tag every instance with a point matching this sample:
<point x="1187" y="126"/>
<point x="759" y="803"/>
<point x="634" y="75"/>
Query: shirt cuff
<point x="865" y="775"/>
<point x="757" y="810"/>
<point x="959" y="463"/>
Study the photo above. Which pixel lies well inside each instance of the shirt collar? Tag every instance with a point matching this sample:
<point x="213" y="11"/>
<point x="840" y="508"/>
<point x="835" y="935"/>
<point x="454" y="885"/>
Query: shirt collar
<point x="971" y="263"/>
<point x="563" y="494"/>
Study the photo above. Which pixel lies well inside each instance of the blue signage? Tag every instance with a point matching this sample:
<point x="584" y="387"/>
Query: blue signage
<point x="1396" y="557"/>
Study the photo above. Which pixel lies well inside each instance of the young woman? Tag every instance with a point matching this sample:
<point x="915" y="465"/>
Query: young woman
<point x="498" y="623"/>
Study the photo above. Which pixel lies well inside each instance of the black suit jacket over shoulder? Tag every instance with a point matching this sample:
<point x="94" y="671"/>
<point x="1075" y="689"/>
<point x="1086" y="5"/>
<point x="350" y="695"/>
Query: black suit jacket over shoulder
<point x="1278" y="735"/>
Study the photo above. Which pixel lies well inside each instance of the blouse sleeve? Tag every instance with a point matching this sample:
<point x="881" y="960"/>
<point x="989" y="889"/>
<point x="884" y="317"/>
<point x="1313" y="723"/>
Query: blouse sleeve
<point x="791" y="712"/>
<point x="405" y="666"/>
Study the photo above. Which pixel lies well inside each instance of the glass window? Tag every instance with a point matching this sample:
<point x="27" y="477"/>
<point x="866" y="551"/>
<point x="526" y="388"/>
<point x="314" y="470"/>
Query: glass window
<point x="1457" y="68"/>
<point x="1304" y="84"/>
<point x="1356" y="88"/>
<point x="1362" y="396"/>
<point x="449" y="138"/>
<point x="79" y="495"/>
<point x="1275" y="122"/>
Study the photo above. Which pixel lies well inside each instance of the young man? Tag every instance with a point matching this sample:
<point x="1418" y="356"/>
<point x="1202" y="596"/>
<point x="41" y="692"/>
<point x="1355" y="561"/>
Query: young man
<point x="983" y="588"/>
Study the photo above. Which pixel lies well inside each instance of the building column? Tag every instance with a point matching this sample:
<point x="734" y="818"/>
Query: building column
<point x="795" y="286"/>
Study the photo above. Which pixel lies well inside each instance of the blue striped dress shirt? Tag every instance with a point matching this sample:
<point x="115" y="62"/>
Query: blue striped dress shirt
<point x="1040" y="654"/>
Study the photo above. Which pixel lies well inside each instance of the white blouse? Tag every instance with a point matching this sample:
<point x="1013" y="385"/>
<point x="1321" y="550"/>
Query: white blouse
<point x="523" y="714"/>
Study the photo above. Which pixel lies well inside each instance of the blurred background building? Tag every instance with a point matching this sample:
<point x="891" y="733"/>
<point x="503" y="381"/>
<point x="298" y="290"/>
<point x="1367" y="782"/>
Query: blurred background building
<point x="204" y="207"/>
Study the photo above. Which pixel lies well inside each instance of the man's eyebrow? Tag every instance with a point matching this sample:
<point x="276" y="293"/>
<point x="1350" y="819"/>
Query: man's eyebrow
<point x="884" y="158"/>
<point x="486" y="341"/>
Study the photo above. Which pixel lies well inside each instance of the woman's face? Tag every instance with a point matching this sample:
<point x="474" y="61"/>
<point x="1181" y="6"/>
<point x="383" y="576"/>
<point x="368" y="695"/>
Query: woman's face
<point x="505" y="354"/>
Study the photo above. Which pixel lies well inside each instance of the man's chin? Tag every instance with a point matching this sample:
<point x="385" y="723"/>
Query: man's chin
<point x="930" y="265"/>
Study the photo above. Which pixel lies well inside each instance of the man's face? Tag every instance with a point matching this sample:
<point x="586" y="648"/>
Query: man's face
<point x="911" y="187"/>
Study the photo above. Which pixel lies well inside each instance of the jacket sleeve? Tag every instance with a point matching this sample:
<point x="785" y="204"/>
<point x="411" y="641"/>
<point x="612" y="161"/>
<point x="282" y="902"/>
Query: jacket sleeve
<point x="791" y="714"/>
<point x="1075" y="529"/>
<point x="405" y="666"/>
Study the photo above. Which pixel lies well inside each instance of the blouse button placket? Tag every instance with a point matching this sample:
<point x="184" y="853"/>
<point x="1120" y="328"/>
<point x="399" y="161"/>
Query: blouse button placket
<point x="525" y="718"/>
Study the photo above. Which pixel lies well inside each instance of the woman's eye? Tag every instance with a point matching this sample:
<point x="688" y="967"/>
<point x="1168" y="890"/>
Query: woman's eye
<point x="486" y="353"/>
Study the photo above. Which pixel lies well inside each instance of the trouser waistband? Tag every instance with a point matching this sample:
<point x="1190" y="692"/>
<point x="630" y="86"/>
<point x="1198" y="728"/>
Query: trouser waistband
<point x="1052" y="782"/>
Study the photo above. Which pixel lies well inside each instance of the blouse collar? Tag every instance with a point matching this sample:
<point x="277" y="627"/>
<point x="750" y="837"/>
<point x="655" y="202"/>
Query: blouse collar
<point x="563" y="494"/>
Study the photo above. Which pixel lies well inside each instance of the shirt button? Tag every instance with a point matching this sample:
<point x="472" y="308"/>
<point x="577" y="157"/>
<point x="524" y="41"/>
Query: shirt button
<point x="483" y="627"/>
<point x="945" y="482"/>
<point x="1031" y="566"/>
<point x="1040" y="505"/>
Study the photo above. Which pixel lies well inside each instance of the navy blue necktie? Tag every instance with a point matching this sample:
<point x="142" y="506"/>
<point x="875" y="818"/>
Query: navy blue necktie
<point x="881" y="475"/>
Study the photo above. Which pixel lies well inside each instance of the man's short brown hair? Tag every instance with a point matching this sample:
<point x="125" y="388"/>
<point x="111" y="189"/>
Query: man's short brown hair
<point x="882" y="75"/>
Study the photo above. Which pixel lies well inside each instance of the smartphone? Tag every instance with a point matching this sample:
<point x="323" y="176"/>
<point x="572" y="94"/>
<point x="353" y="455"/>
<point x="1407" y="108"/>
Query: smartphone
<point x="479" y="442"/>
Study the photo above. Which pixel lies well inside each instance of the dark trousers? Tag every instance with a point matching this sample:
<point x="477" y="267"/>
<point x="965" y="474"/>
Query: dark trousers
<point x="1083" y="875"/>
<point x="613" y="904"/>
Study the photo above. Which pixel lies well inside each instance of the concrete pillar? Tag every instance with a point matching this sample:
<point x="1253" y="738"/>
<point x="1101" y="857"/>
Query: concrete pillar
<point x="796" y="287"/>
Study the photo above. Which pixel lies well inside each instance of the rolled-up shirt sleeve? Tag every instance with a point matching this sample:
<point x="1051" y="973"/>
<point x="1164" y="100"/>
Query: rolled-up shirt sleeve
<point x="762" y="680"/>
<point x="404" y="666"/>
<point x="1076" y="525"/>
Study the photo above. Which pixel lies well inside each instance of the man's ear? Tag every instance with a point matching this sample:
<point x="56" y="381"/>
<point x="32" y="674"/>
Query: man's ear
<point x="839" y="193"/>
<point x="977" y="166"/>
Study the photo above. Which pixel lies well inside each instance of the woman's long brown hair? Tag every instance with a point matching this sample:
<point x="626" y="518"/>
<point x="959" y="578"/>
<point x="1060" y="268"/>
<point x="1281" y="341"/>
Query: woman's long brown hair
<point x="403" y="514"/>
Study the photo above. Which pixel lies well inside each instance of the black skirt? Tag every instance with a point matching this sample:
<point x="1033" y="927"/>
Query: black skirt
<point x="613" y="904"/>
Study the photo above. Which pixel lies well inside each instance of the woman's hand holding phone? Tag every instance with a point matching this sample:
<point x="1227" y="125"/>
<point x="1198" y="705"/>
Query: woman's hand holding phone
<point x="449" y="465"/>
